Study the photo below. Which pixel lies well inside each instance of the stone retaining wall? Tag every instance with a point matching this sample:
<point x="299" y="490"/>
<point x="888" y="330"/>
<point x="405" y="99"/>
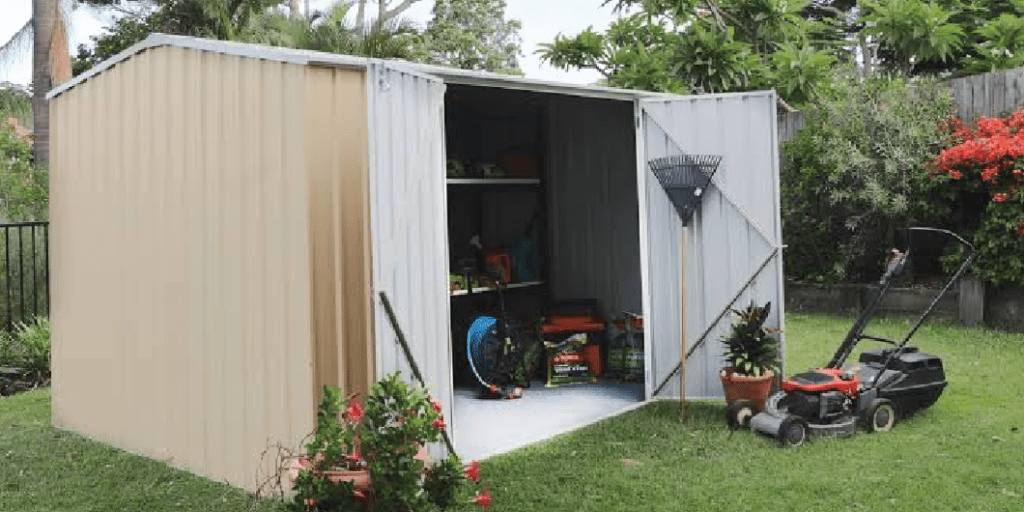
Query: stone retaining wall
<point x="1002" y="306"/>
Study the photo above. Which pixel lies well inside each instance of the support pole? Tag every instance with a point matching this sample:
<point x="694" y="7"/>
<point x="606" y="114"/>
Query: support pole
<point x="684" y="411"/>
<point x="412" y="362"/>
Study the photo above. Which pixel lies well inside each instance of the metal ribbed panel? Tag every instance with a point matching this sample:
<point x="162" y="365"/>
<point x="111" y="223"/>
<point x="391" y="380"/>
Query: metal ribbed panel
<point x="594" y="214"/>
<point x="735" y="230"/>
<point x="181" y="260"/>
<point x="408" y="212"/>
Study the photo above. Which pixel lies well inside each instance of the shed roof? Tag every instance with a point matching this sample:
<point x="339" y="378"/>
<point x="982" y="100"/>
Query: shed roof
<point x="313" y="58"/>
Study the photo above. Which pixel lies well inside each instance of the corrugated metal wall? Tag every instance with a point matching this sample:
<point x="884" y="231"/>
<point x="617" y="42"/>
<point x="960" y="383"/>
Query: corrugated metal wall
<point x="736" y="229"/>
<point x="593" y="211"/>
<point x="336" y="146"/>
<point x="181" y="260"/>
<point x="409" y="231"/>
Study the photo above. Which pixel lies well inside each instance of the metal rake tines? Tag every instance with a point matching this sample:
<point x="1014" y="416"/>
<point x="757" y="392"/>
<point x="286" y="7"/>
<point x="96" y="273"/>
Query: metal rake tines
<point x="684" y="178"/>
<point x="685" y="170"/>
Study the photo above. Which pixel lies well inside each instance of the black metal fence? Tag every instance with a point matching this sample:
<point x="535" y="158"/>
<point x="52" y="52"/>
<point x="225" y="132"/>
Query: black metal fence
<point x="24" y="272"/>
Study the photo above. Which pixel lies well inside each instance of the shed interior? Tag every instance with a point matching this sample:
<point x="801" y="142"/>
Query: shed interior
<point x="542" y="190"/>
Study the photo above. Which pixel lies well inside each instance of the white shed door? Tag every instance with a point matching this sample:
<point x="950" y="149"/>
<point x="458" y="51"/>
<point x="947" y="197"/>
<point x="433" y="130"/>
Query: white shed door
<point x="408" y="223"/>
<point x="733" y="250"/>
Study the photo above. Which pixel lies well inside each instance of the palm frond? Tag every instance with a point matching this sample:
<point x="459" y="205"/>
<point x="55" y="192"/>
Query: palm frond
<point x="18" y="47"/>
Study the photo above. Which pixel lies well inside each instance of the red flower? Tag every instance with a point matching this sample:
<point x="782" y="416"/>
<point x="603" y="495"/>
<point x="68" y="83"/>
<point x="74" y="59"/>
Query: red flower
<point x="989" y="173"/>
<point x="999" y="197"/>
<point x="354" y="413"/>
<point x="955" y="174"/>
<point x="1020" y="229"/>
<point x="483" y="499"/>
<point x="472" y="471"/>
<point x="436" y="404"/>
<point x="438" y="423"/>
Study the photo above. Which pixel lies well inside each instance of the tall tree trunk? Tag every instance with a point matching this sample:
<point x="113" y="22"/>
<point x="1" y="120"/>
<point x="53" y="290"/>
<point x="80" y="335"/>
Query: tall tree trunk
<point x="360" y="14"/>
<point x="44" y="14"/>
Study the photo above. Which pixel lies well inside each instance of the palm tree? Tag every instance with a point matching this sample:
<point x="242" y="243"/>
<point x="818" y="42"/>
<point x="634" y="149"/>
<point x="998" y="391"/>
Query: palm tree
<point x="51" y="64"/>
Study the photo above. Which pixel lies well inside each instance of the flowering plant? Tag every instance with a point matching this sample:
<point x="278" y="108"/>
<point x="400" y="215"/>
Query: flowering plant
<point x="982" y="170"/>
<point x="371" y="455"/>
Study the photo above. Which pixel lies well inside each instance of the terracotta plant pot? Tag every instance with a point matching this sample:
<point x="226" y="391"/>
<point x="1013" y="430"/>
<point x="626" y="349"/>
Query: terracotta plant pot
<point x="744" y="387"/>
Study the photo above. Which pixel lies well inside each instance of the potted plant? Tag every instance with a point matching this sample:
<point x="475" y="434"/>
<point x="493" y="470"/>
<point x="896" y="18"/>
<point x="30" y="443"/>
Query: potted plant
<point x="752" y="354"/>
<point x="371" y="455"/>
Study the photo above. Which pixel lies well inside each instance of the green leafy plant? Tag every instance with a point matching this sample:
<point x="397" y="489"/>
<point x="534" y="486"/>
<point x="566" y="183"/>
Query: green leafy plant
<point x="749" y="348"/>
<point x="385" y="436"/>
<point x="852" y="177"/>
<point x="24" y="187"/>
<point x="25" y="356"/>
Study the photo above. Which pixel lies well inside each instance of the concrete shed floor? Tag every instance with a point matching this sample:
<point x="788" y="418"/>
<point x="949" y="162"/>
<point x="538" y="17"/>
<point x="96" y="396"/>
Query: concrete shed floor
<point x="486" y="427"/>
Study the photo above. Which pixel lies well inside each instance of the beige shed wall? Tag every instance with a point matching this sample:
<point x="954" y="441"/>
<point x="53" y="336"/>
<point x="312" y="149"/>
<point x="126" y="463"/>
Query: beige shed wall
<point x="336" y="142"/>
<point x="181" y="259"/>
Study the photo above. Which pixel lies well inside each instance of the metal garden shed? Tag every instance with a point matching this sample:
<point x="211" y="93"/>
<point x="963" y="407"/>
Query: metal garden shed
<point x="224" y="215"/>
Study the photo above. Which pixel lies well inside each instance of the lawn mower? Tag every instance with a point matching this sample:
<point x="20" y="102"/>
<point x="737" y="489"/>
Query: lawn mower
<point x="886" y="384"/>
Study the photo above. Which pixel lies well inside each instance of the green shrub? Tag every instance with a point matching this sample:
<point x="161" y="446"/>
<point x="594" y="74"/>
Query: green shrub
<point x="854" y="177"/>
<point x="28" y="349"/>
<point x="24" y="187"/>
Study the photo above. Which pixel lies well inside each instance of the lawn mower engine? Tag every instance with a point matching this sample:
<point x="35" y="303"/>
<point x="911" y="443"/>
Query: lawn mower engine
<point x="818" y="402"/>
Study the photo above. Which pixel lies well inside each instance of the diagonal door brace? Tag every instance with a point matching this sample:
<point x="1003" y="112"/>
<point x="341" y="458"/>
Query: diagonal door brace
<point x="728" y="306"/>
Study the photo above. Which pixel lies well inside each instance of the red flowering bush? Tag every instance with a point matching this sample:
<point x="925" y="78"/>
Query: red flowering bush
<point x="981" y="170"/>
<point x="371" y="455"/>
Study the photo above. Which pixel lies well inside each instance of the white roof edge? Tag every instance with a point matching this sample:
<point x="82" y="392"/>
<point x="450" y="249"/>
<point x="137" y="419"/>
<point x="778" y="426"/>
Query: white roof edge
<point x="307" y="57"/>
<point x="718" y="95"/>
<point x="272" y="53"/>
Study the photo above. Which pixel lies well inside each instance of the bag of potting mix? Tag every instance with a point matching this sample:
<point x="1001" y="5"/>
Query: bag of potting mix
<point x="566" y="362"/>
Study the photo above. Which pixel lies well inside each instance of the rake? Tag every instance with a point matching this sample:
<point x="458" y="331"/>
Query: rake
<point x="684" y="178"/>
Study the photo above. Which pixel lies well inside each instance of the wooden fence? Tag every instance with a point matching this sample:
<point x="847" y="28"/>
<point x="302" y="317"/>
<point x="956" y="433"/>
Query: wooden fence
<point x="987" y="95"/>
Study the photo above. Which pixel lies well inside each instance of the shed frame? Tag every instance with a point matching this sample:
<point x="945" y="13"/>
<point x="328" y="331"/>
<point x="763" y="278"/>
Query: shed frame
<point x="736" y="233"/>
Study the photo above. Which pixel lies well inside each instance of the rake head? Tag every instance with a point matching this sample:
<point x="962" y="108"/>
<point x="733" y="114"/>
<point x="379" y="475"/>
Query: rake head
<point x="685" y="178"/>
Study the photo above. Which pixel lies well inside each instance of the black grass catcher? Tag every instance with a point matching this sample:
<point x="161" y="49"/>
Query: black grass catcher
<point x="685" y="178"/>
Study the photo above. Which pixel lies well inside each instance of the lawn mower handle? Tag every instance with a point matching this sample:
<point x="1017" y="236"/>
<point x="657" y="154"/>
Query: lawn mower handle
<point x="857" y="331"/>
<point x="935" y="301"/>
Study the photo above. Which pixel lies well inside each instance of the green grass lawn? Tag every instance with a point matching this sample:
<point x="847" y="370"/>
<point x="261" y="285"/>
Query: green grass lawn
<point x="965" y="453"/>
<point x="46" y="469"/>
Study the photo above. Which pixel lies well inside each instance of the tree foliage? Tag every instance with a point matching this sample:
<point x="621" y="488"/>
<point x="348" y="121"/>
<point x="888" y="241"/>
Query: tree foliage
<point x="473" y="34"/>
<point x="853" y="176"/>
<point x="704" y="46"/>
<point x="24" y="186"/>
<point x="259" y="21"/>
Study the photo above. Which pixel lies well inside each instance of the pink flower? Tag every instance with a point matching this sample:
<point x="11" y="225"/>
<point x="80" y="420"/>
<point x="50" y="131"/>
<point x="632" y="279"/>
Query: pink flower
<point x="483" y="499"/>
<point x="438" y="423"/>
<point x="436" y="404"/>
<point x="297" y="466"/>
<point x="472" y="471"/>
<point x="354" y="413"/>
<point x="999" y="197"/>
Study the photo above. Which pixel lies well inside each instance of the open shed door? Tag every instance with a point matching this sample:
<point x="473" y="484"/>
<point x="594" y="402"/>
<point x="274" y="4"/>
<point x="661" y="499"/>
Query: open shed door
<point x="734" y="244"/>
<point x="407" y="198"/>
